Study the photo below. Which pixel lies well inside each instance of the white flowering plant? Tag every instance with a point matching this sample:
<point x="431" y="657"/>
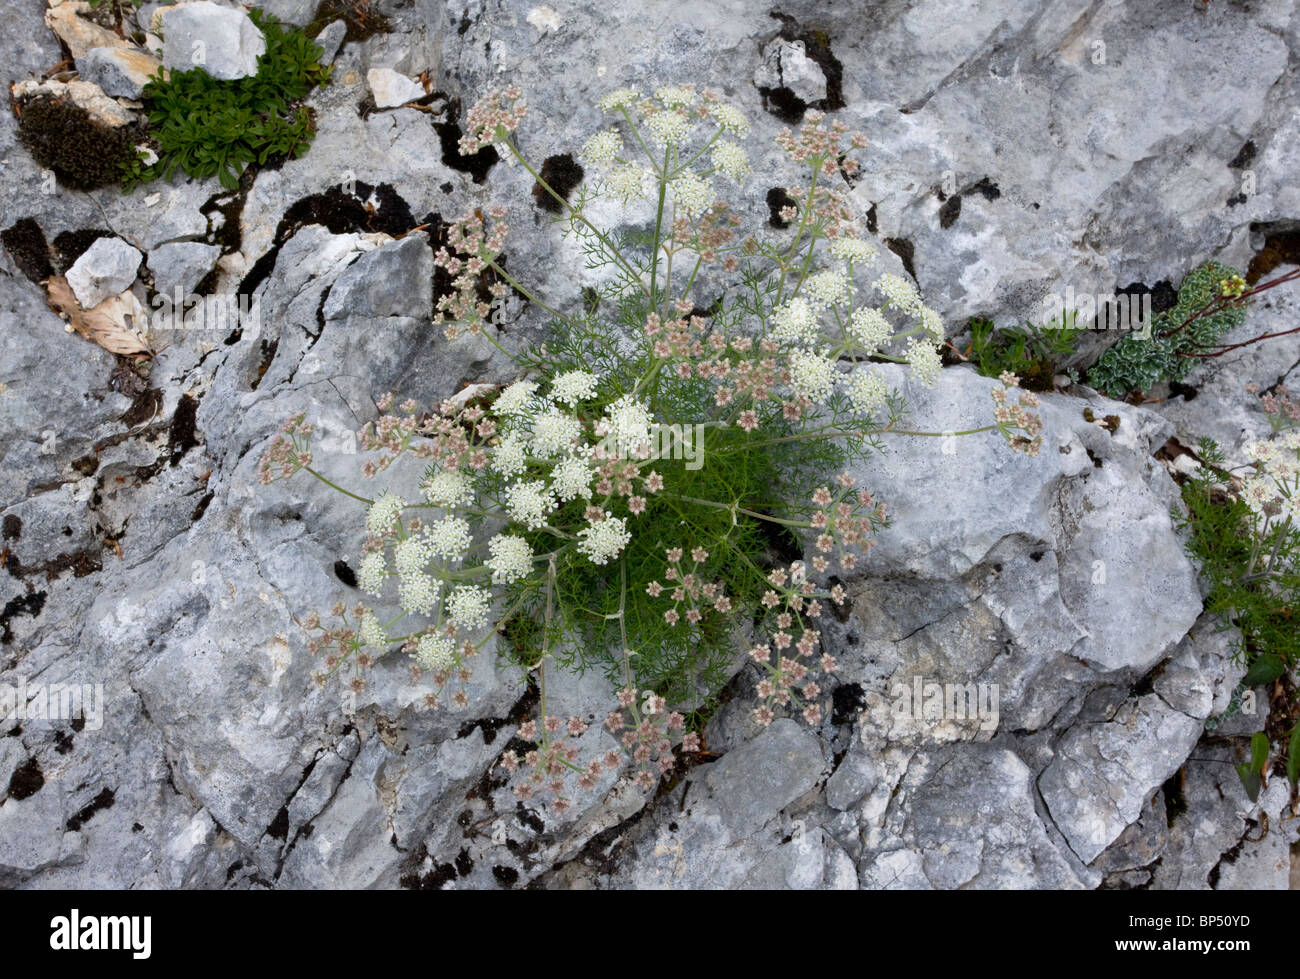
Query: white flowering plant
<point x="661" y="488"/>
<point x="1243" y="529"/>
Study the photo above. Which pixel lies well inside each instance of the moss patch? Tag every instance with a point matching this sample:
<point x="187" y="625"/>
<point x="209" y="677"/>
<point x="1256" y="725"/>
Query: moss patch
<point x="83" y="153"/>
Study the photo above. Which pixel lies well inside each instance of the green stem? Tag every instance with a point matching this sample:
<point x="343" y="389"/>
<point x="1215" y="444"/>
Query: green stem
<point x="659" y="220"/>
<point x="798" y="235"/>
<point x="525" y="292"/>
<point x="575" y="213"/>
<point x="334" y="485"/>
<point x="734" y="508"/>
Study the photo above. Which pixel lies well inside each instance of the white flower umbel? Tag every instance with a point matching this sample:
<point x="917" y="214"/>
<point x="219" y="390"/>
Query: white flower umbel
<point x="870" y="328"/>
<point x="573" y="386"/>
<point x="1273" y="492"/>
<point x="931" y="322"/>
<point x="1259" y="493"/>
<point x="449" y="538"/>
<point x="435" y="652"/>
<point x="691" y="194"/>
<point x="571" y="478"/>
<point x="515" y="399"/>
<point x="384" y="513"/>
<point x="510" y="456"/>
<point x="668" y="127"/>
<point x="812" y="376"/>
<point x="795" y="321"/>
<point x="530" y="503"/>
<point x="924" y="358"/>
<point x="411" y="555"/>
<point x="469" y="607"/>
<point x="628" y="424"/>
<point x="372" y="573"/>
<point x="509" y="557"/>
<point x="554" y="431"/>
<point x="827" y="288"/>
<point x="604" y="540"/>
<point x="867" y="390"/>
<point x="418" y="593"/>
<point x="729" y="118"/>
<point x="730" y="160"/>
<point x="448" y="488"/>
<point x="676" y="96"/>
<point x="899" y="293"/>
<point x="603" y="149"/>
<point x="853" y="250"/>
<point x="620" y="98"/>
<point x="628" y="182"/>
<point x="373" y="633"/>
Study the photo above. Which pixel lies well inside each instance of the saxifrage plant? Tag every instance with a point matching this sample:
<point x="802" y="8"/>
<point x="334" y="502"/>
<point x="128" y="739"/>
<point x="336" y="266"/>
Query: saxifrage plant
<point x="1205" y="311"/>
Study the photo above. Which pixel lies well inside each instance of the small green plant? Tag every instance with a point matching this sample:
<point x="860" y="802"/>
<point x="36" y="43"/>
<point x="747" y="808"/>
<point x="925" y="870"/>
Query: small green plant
<point x="1033" y="353"/>
<point x="638" y="500"/>
<point x="1251" y="772"/>
<point x="208" y="127"/>
<point x="1209" y="305"/>
<point x="1245" y="535"/>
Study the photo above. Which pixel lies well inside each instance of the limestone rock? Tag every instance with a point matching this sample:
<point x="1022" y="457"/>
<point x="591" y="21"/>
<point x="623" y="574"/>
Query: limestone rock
<point x="106" y="268"/>
<point x="222" y="41"/>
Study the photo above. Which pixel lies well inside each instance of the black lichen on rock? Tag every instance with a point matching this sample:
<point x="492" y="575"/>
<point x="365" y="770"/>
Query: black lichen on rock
<point x="26" y="245"/>
<point x="777" y="200"/>
<point x="476" y="164"/>
<point x="562" y="173"/>
<point x="781" y="101"/>
<point x="71" y="245"/>
<point x="83" y="153"/>
<point x="950" y="211"/>
<point x="27" y="780"/>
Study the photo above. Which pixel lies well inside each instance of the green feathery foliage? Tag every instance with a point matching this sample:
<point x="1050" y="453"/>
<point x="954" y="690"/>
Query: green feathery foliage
<point x="1252" y="567"/>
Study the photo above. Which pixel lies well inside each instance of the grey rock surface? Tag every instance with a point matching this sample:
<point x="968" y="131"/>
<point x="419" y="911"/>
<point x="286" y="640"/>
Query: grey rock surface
<point x="118" y="71"/>
<point x="967" y="819"/>
<point x="1084" y="144"/>
<point x="181" y="265"/>
<point x="1103" y="774"/>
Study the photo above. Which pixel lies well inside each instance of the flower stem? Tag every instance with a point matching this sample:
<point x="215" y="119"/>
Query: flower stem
<point x="333" y="485"/>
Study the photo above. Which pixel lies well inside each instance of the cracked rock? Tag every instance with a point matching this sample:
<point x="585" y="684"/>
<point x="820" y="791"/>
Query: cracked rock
<point x="1104" y="774"/>
<point x="786" y="65"/>
<point x="964" y="817"/>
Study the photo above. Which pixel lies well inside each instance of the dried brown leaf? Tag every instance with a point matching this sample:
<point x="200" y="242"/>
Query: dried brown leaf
<point x="117" y="324"/>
